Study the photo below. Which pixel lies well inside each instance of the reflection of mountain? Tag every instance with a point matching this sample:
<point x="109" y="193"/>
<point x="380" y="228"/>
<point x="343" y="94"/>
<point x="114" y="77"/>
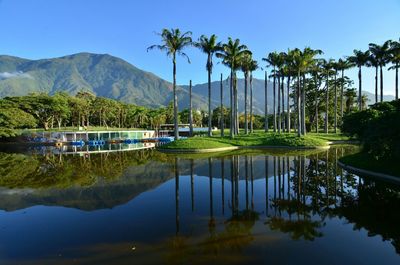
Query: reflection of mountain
<point x="102" y="182"/>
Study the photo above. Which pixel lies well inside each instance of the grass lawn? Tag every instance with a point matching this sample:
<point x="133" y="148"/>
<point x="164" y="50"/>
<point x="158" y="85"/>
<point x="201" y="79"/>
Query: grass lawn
<point x="366" y="161"/>
<point x="255" y="139"/>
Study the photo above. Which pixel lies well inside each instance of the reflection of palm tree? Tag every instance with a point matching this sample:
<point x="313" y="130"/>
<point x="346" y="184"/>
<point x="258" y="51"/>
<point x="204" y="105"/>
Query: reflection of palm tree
<point x="211" y="224"/>
<point x="192" y="182"/>
<point x="176" y="171"/>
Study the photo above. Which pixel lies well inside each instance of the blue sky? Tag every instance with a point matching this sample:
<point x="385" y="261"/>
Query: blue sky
<point x="48" y="28"/>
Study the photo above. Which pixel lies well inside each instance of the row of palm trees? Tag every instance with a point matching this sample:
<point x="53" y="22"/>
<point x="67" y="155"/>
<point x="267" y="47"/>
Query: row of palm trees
<point x="301" y="66"/>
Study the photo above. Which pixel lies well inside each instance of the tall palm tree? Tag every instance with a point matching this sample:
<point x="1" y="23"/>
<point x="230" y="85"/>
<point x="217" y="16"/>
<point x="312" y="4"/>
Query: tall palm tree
<point x="190" y="110"/>
<point x="245" y="67"/>
<point x="381" y="53"/>
<point x="279" y="73"/>
<point x="373" y="62"/>
<point x="231" y="54"/>
<point x="266" y="101"/>
<point x="173" y="43"/>
<point x="222" y="107"/>
<point x="316" y="73"/>
<point x="395" y="59"/>
<point x="209" y="46"/>
<point x="272" y="59"/>
<point x="327" y="66"/>
<point x="253" y="67"/>
<point x="288" y="71"/>
<point x="336" y="68"/>
<point x="342" y="65"/>
<point x="359" y="59"/>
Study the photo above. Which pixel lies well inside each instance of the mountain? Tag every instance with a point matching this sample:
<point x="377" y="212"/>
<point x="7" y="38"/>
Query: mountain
<point x="102" y="74"/>
<point x="371" y="97"/>
<point x="112" y="77"/>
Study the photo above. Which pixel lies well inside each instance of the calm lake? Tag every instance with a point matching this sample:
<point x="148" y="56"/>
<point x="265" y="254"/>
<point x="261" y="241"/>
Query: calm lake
<point x="146" y="207"/>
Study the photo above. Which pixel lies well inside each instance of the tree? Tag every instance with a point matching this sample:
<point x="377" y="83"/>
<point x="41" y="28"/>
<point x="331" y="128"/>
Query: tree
<point x="253" y="67"/>
<point x="245" y="67"/>
<point x="381" y="53"/>
<point x="342" y="65"/>
<point x="12" y="118"/>
<point x="173" y="43"/>
<point x="359" y="59"/>
<point x="61" y="108"/>
<point x="272" y="60"/>
<point x="209" y="46"/>
<point x="395" y="59"/>
<point x="372" y="62"/>
<point x="231" y="54"/>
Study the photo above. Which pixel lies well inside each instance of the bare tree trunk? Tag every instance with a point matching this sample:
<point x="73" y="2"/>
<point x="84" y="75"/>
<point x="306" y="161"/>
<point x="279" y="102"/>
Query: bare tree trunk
<point x="335" y="117"/>
<point x="298" y="105"/>
<point x="209" y="101"/>
<point x="359" y="88"/>
<point x="176" y="130"/>
<point x="288" y="104"/>
<point x="266" y="102"/>
<point x="283" y="105"/>
<point x="327" y="102"/>
<point x="222" y="109"/>
<point x="279" y="104"/>
<point x="251" y="102"/>
<point x="236" y="107"/>
<point x="376" y="84"/>
<point x="397" y="81"/>
<point x="246" y="122"/>
<point x="303" y="107"/>
<point x="341" y="98"/>
<point x="231" y="105"/>
<point x="190" y="110"/>
<point x="381" y="83"/>
<point x="274" y="103"/>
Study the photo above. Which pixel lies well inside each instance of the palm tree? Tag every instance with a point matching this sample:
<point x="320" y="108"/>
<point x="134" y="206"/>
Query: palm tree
<point x="266" y="101"/>
<point x="359" y="59"/>
<point x="288" y="71"/>
<point x="335" y="67"/>
<point x="395" y="59"/>
<point x="222" y="108"/>
<point x="231" y="54"/>
<point x="381" y="53"/>
<point x="372" y="62"/>
<point x="253" y="67"/>
<point x="173" y="43"/>
<point x="342" y="65"/>
<point x="190" y="110"/>
<point x="245" y="67"/>
<point x="272" y="59"/>
<point x="327" y="66"/>
<point x="209" y="46"/>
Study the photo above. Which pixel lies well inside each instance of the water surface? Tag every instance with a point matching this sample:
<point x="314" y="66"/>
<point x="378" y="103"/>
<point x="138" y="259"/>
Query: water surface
<point x="146" y="207"/>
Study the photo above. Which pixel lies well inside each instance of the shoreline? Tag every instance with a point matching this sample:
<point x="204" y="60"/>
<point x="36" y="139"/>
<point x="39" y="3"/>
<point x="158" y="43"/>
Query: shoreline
<point x="368" y="173"/>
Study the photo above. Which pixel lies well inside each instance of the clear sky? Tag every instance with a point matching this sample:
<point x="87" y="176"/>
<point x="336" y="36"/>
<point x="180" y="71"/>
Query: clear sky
<point x="51" y="28"/>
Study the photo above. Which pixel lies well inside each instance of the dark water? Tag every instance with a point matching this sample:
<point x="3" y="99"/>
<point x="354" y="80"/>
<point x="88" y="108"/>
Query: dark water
<point x="145" y="207"/>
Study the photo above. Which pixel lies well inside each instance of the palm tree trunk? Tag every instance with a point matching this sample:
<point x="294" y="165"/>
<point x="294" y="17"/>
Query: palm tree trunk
<point x="190" y="110"/>
<point x="283" y="106"/>
<point x="327" y="102"/>
<point x="246" y="122"/>
<point x="176" y="131"/>
<point x="397" y="81"/>
<point x="303" y="107"/>
<point x="298" y="105"/>
<point x="279" y="104"/>
<point x="381" y="83"/>
<point x="335" y="117"/>
<point x="222" y="109"/>
<point x="288" y="104"/>
<point x="231" y="105"/>
<point x="341" y="98"/>
<point x="251" y="102"/>
<point x="376" y="84"/>
<point x="359" y="88"/>
<point x="274" y="112"/>
<point x="236" y="107"/>
<point x="209" y="104"/>
<point x="266" y="102"/>
<point x="316" y="104"/>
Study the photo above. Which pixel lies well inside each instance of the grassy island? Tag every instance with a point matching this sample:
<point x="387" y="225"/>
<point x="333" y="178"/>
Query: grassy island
<point x="258" y="139"/>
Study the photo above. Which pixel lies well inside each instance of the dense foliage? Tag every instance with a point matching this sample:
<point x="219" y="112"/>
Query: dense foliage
<point x="378" y="128"/>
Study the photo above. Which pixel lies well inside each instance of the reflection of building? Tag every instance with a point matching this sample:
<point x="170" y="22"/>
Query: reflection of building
<point x="73" y="136"/>
<point x="184" y="130"/>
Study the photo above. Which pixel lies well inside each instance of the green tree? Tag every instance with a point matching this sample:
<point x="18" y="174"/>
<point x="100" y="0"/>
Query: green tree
<point x="395" y="59"/>
<point x="173" y="43"/>
<point x="359" y="59"/>
<point x="209" y="46"/>
<point x="381" y="54"/>
<point x="231" y="54"/>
